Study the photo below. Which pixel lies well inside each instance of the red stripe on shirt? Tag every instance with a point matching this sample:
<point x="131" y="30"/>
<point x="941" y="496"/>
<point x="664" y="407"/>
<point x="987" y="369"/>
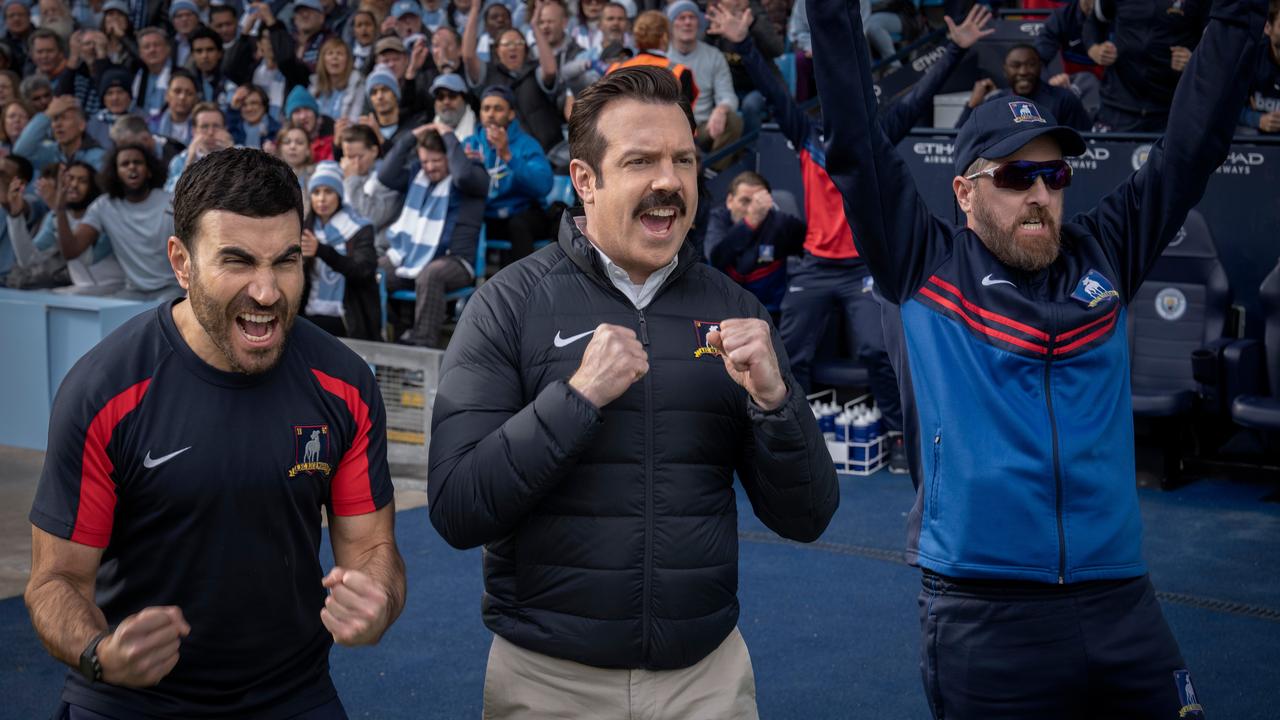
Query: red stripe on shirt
<point x="980" y="327"/>
<point x="96" y="512"/>
<point x="987" y="314"/>
<point x="1086" y="326"/>
<point x="1088" y="338"/>
<point x="351" y="489"/>
<point x="754" y="275"/>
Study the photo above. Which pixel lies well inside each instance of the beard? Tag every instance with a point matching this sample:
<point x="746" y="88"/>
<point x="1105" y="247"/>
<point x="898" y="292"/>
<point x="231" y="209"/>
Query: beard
<point x="219" y="322"/>
<point x="452" y="117"/>
<point x="1032" y="255"/>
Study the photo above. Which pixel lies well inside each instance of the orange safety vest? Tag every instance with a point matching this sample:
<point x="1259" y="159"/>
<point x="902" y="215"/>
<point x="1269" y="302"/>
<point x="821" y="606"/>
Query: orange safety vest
<point x="647" y="58"/>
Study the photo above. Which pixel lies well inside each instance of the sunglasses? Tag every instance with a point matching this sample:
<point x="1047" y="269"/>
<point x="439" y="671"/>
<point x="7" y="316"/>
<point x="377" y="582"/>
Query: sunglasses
<point x="1022" y="174"/>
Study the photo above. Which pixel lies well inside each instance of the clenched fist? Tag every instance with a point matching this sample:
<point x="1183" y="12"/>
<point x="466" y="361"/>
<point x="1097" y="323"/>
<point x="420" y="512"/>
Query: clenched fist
<point x="612" y="362"/>
<point x="357" y="610"/>
<point x="144" y="648"/>
<point x="747" y="347"/>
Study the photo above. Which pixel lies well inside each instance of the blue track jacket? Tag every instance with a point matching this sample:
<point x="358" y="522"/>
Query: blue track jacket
<point x="1015" y="385"/>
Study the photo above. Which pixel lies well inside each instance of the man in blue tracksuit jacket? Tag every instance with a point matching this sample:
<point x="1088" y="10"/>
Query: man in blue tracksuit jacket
<point x="1009" y="344"/>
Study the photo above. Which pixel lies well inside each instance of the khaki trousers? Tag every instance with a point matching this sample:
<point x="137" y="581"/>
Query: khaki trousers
<point x="520" y="684"/>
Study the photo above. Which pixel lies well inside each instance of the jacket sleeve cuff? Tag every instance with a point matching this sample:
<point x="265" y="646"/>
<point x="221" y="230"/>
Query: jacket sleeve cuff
<point x="782" y="412"/>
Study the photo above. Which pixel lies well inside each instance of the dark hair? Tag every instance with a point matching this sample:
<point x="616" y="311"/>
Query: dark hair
<point x="748" y="177"/>
<point x="183" y="73"/>
<point x="1023" y="46"/>
<point x="261" y="92"/>
<point x="24" y="172"/>
<point x="52" y="169"/>
<point x="94" y="190"/>
<point x="485" y="12"/>
<point x="242" y="181"/>
<point x="109" y="177"/>
<point x="432" y="142"/>
<point x="221" y="8"/>
<point x="457" y="37"/>
<point x="361" y="134"/>
<point x="46" y="34"/>
<point x="645" y="83"/>
<point x="202" y="32"/>
<point x="1273" y="12"/>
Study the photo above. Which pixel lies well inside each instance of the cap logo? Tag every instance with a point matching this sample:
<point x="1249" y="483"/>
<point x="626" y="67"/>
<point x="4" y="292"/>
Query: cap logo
<point x="1024" y="111"/>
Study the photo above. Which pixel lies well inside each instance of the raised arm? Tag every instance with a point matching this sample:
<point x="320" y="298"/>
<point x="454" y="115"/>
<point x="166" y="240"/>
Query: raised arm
<point x="468" y="175"/>
<point x="897" y="118"/>
<point x="1139" y="218"/>
<point x="470" y="40"/>
<point x="892" y="227"/>
<point x="792" y="121"/>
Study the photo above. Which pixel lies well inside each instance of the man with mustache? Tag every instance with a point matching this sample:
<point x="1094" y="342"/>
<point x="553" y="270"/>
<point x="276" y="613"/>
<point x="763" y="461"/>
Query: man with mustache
<point x="212" y="431"/>
<point x="1007" y="335"/>
<point x="594" y="405"/>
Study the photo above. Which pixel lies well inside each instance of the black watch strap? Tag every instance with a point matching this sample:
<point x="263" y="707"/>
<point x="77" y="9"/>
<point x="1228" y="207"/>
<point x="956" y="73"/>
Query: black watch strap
<point x="90" y="666"/>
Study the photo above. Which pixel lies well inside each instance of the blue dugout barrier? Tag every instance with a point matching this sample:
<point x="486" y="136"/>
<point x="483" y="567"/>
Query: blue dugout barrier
<point x="42" y="335"/>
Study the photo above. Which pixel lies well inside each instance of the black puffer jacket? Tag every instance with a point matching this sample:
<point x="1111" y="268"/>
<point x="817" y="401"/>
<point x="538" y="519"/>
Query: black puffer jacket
<point x="611" y="536"/>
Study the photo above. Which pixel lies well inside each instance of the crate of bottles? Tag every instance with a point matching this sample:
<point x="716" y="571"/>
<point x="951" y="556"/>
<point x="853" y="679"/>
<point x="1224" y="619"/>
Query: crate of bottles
<point x="853" y="432"/>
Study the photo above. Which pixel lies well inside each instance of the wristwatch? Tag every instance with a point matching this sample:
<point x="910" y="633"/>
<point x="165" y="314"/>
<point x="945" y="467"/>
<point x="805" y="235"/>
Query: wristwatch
<point x="90" y="666"/>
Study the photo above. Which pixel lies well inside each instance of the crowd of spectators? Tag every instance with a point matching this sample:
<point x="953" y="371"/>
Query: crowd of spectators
<point x="413" y="124"/>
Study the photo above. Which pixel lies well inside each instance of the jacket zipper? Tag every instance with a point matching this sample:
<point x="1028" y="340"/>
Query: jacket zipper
<point x="648" y="495"/>
<point x="1057" y="472"/>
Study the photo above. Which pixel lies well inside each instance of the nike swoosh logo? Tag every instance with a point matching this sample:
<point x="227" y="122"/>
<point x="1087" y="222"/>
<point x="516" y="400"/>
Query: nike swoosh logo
<point x="149" y="462"/>
<point x="987" y="281"/>
<point x="563" y="341"/>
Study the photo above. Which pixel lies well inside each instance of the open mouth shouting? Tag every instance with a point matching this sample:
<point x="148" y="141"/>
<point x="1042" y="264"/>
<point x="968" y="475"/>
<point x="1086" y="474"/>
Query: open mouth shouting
<point x="658" y="213"/>
<point x="257" y="329"/>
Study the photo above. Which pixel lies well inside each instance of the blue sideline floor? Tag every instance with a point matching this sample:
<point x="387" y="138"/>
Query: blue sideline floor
<point x="832" y="627"/>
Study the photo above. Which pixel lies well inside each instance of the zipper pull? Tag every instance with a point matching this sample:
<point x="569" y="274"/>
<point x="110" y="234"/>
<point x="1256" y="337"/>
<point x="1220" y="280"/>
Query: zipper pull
<point x="1060" y="581"/>
<point x="644" y="329"/>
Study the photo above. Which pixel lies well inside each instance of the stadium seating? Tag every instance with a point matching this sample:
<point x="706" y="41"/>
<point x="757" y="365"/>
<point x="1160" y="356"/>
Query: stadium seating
<point x="1260" y="366"/>
<point x="460" y="295"/>
<point x="1181" y="308"/>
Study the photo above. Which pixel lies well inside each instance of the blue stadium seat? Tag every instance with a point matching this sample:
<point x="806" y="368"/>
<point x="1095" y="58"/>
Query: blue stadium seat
<point x="1261" y="409"/>
<point x="460" y="295"/>
<point x="786" y="63"/>
<point x="1181" y="308"/>
<point x="561" y="191"/>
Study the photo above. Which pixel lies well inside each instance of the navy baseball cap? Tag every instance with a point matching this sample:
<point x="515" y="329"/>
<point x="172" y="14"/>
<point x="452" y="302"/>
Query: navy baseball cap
<point x="999" y="128"/>
<point x="501" y="91"/>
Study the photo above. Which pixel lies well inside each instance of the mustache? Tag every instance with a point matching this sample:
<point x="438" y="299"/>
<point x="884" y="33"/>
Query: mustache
<point x="662" y="198"/>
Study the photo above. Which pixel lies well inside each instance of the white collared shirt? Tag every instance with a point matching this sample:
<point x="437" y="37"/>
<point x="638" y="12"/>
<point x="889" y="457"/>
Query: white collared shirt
<point x="640" y="294"/>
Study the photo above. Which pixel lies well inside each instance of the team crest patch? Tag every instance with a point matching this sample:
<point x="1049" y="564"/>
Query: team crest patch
<point x="1187" y="694"/>
<point x="1024" y="111"/>
<point x="703" y="328"/>
<point x="1171" y="304"/>
<point x="310" y="450"/>
<point x="1094" y="289"/>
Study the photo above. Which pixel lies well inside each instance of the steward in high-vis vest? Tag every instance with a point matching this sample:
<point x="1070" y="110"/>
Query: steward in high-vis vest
<point x="652" y="33"/>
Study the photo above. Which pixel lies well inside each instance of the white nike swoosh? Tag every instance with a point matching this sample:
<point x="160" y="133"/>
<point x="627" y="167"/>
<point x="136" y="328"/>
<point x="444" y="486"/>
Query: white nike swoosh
<point x="147" y="462"/>
<point x="562" y="341"/>
<point x="987" y="281"/>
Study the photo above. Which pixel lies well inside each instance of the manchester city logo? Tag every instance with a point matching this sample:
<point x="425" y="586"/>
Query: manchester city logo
<point x="1171" y="304"/>
<point x="1139" y="157"/>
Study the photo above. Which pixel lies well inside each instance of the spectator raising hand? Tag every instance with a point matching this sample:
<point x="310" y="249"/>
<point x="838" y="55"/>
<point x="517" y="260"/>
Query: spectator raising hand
<point x="969" y="32"/>
<point x="733" y="27"/>
<point x="309" y="242"/>
<point x="13" y="197"/>
<point x="981" y="90"/>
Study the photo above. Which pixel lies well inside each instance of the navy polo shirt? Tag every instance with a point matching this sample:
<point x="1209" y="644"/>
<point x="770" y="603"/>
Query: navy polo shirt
<point x="205" y="490"/>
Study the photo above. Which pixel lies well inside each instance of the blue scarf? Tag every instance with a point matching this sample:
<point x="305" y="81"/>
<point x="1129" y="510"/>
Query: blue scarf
<point x="416" y="235"/>
<point x="328" y="286"/>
